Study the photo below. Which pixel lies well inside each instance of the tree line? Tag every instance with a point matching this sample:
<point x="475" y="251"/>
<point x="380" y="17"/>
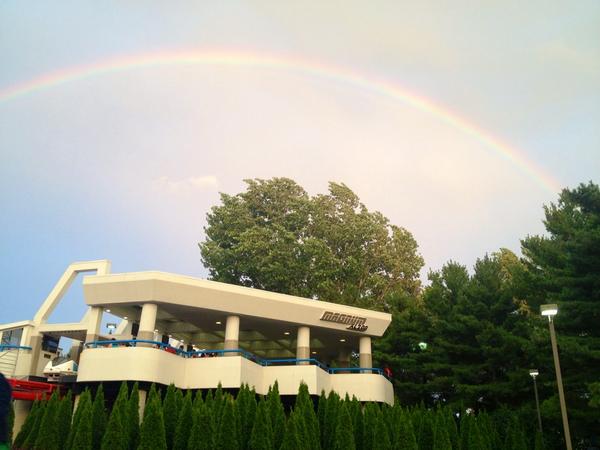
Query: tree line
<point x="468" y="337"/>
<point x="177" y="420"/>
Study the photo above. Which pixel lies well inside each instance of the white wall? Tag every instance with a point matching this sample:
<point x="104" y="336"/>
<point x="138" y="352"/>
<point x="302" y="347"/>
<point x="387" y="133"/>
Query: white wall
<point x="158" y="366"/>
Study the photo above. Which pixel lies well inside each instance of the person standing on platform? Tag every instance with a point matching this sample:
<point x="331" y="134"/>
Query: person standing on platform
<point x="5" y="396"/>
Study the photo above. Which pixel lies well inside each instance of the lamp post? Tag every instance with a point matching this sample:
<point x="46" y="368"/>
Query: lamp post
<point x="534" y="373"/>
<point x="550" y="311"/>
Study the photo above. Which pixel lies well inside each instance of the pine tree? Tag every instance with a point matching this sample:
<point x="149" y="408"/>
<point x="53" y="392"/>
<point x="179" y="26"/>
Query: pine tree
<point x="153" y="395"/>
<point x="85" y="400"/>
<point x="11" y="421"/>
<point x="406" y="434"/>
<point x="179" y="399"/>
<point x="185" y="422"/>
<point x="344" y="434"/>
<point x="202" y="433"/>
<point x="331" y="418"/>
<point x="47" y="438"/>
<point x="355" y="410"/>
<point x="133" y="417"/>
<point x="441" y="437"/>
<point x="170" y="414"/>
<point x="452" y="430"/>
<point x="321" y="414"/>
<point x="198" y="401"/>
<point x="382" y="438"/>
<point x="27" y="425"/>
<point x="63" y="420"/>
<point x="82" y="439"/>
<point x="152" y="432"/>
<point x="261" y="437"/>
<point x="227" y="435"/>
<point x="115" y="436"/>
<point x="370" y="426"/>
<point x="291" y="438"/>
<point x="465" y="424"/>
<point x="475" y="441"/>
<point x="308" y="421"/>
<point x="277" y="414"/>
<point x="246" y="406"/>
<point x="98" y="418"/>
<point x="539" y="441"/>
<point x="426" y="432"/>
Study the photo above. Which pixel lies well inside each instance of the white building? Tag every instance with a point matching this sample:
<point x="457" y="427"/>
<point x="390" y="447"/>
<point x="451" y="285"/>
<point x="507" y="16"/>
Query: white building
<point x="197" y="333"/>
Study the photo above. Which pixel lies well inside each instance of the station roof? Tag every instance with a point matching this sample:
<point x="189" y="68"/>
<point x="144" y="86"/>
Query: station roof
<point x="195" y="310"/>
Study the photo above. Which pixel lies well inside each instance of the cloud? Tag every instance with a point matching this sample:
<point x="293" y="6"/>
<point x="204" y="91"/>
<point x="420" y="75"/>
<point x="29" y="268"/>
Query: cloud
<point x="197" y="183"/>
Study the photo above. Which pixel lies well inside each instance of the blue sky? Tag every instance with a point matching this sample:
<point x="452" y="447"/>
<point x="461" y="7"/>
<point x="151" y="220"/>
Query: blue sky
<point x="125" y="165"/>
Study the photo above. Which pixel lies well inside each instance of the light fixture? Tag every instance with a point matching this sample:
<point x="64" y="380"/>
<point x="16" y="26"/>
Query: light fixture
<point x="111" y="326"/>
<point x="314" y="353"/>
<point x="170" y="335"/>
<point x="218" y="322"/>
<point x="287" y="333"/>
<point x="107" y="310"/>
<point x="342" y="340"/>
<point x="423" y="345"/>
<point x="156" y="331"/>
<point x="125" y="317"/>
<point x="549" y="310"/>
<point x="534" y="373"/>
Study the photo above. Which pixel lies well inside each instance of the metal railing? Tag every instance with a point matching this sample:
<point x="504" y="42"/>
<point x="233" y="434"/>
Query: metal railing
<point x="7" y="347"/>
<point x="244" y="353"/>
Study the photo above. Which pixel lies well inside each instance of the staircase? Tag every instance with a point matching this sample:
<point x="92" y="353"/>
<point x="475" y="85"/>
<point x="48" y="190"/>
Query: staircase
<point x="8" y="362"/>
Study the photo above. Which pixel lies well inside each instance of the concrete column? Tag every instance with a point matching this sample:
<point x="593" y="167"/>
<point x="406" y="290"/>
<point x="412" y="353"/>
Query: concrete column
<point x="343" y="358"/>
<point x="303" y="344"/>
<point x="232" y="334"/>
<point x="76" y="350"/>
<point x="94" y="323"/>
<point x="142" y="403"/>
<point x="22" y="408"/>
<point x="365" y="356"/>
<point x="147" y="323"/>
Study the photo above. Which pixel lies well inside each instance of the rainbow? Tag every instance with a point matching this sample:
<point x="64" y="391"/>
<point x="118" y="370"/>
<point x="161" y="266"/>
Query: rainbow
<point x="336" y="74"/>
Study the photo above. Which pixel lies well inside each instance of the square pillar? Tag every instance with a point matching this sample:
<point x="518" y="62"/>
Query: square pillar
<point x="94" y="323"/>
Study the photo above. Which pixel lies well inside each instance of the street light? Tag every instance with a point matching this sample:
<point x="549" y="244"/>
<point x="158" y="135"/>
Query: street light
<point x="550" y="311"/>
<point x="534" y="373"/>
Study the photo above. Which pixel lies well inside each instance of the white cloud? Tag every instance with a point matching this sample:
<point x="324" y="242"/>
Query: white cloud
<point x="197" y="183"/>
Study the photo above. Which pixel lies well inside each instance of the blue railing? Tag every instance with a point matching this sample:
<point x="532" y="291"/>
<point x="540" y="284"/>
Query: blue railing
<point x="13" y="347"/>
<point x="244" y="353"/>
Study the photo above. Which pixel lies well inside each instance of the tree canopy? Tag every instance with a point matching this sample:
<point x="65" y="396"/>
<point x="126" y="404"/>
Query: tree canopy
<point x="275" y="236"/>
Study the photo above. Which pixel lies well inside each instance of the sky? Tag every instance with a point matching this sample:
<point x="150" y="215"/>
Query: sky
<point x="120" y="123"/>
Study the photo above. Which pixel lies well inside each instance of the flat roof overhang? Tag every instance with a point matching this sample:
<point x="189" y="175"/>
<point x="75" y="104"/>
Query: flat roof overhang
<point x="195" y="310"/>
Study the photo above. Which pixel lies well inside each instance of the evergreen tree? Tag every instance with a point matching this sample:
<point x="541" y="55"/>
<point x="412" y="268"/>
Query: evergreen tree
<point x="133" y="417"/>
<point x="47" y="438"/>
<point x="381" y="439"/>
<point x="331" y="418"/>
<point x="185" y="422"/>
<point x="452" y="430"/>
<point x="170" y="414"/>
<point x="198" y="400"/>
<point x="116" y="436"/>
<point x="179" y="399"/>
<point x="27" y="425"/>
<point x="356" y="413"/>
<point x="370" y="426"/>
<point x="291" y="438"/>
<point x="63" y="420"/>
<point x="539" y="441"/>
<point x="321" y="415"/>
<point x="202" y="432"/>
<point x="82" y="439"/>
<point x="98" y="418"/>
<point x="426" y="432"/>
<point x="406" y="434"/>
<point x="85" y="400"/>
<point x="152" y="432"/>
<point x="227" y="436"/>
<point x="441" y="437"/>
<point x="277" y="414"/>
<point x="261" y="437"/>
<point x="475" y="440"/>
<point x="11" y="421"/>
<point x="344" y="434"/>
<point x="246" y="406"/>
<point x="153" y="395"/>
<point x="309" y="423"/>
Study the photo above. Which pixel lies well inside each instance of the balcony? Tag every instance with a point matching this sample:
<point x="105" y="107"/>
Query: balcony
<point x="150" y="361"/>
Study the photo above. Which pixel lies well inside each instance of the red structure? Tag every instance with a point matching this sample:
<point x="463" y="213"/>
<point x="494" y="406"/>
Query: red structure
<point x="31" y="390"/>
